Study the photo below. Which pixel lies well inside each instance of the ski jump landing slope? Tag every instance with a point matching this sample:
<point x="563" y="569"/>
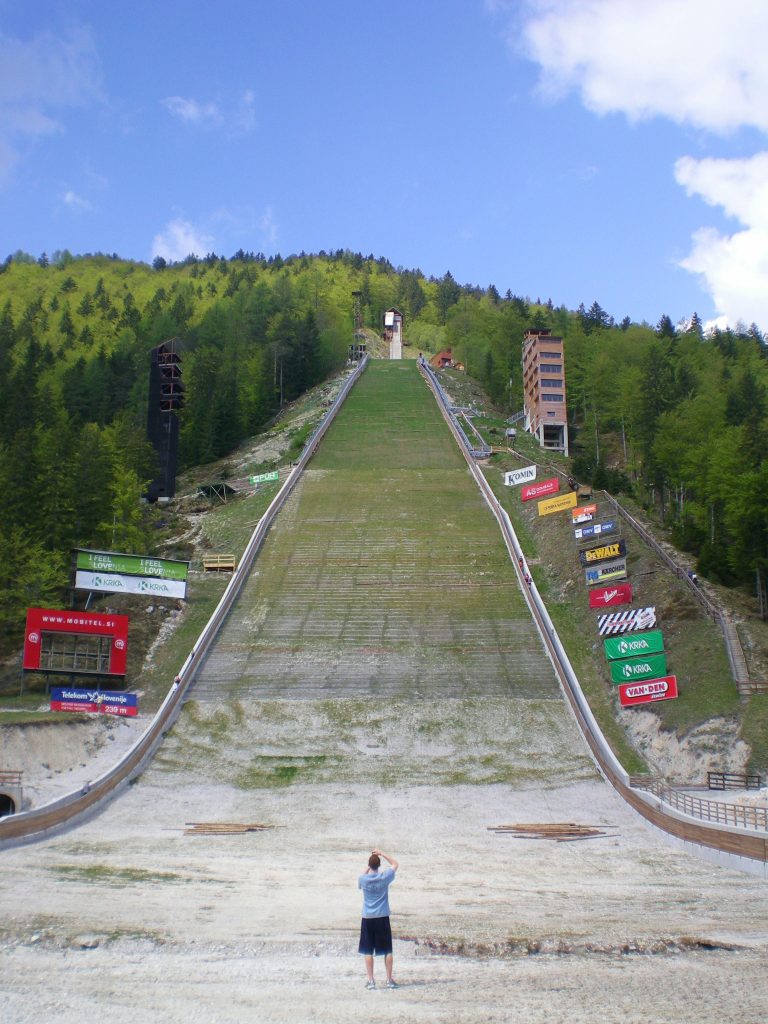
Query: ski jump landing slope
<point x="385" y="574"/>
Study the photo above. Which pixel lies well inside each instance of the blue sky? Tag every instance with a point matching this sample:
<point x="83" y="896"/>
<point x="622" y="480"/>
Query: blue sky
<point x="565" y="149"/>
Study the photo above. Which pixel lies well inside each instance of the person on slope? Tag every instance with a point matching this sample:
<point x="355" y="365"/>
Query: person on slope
<point x="375" y="929"/>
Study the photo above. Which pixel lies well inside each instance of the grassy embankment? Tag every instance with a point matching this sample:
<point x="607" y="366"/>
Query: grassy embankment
<point x="695" y="649"/>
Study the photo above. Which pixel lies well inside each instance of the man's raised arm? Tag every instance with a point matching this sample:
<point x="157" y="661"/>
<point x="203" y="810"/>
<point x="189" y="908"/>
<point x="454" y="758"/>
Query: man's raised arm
<point x="390" y="860"/>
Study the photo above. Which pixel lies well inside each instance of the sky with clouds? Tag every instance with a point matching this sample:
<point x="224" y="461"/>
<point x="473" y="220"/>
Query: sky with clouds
<point x="576" y="150"/>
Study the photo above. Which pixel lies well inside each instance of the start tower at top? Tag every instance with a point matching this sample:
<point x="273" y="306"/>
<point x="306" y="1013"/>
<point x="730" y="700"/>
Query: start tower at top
<point x="393" y="332"/>
<point x="546" y="414"/>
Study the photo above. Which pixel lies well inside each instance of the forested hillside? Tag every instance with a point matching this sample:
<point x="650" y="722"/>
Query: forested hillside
<point x="680" y="418"/>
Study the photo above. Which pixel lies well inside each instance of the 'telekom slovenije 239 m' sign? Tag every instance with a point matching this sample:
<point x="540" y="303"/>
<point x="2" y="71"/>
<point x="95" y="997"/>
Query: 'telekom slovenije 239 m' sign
<point x="95" y="702"/>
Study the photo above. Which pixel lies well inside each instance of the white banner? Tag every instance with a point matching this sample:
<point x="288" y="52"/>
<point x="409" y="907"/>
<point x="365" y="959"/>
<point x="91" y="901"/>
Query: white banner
<point x="520" y="476"/>
<point x="117" y="583"/>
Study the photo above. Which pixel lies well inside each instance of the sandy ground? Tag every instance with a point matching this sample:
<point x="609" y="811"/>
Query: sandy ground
<point x="128" y="918"/>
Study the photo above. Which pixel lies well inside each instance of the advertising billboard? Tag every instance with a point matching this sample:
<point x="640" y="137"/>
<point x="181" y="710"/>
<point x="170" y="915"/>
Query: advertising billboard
<point x="583" y="514"/>
<point x="596" y="529"/>
<point x="604" y="553"/>
<point x="131" y="565"/>
<point x="558" y="504"/>
<point x="520" y="476"/>
<point x="116" y="583"/>
<point x="626" y="622"/>
<point x="606" y="597"/>
<point x="645" y="693"/>
<point x="75" y="643"/>
<point x="607" y="572"/>
<point x="263" y="478"/>
<point x="634" y="646"/>
<point x="95" y="702"/>
<point x="652" y="667"/>
<point x="551" y="486"/>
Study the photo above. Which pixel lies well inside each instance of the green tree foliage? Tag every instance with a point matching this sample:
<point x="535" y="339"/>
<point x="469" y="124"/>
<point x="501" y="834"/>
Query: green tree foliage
<point x="680" y="416"/>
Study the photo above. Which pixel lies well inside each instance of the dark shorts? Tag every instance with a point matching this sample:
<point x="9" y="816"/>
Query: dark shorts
<point x="375" y="937"/>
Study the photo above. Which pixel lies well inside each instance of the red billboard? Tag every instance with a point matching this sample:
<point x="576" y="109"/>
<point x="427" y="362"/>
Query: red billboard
<point x="648" y="690"/>
<point x="75" y="643"/>
<point x="604" y="597"/>
<point x="551" y="486"/>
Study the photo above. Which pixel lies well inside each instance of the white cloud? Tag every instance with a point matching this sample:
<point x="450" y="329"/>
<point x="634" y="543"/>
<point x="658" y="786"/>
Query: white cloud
<point x="268" y="226"/>
<point x="180" y="239"/>
<point x="695" y="62"/>
<point x="237" y="120"/>
<point x="245" y="120"/>
<point x="734" y="267"/>
<point x="38" y="79"/>
<point x="192" y="112"/>
<point x="75" y="202"/>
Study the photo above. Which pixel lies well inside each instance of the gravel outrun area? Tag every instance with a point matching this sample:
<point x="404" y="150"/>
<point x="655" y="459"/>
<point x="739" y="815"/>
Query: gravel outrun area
<point x="128" y="918"/>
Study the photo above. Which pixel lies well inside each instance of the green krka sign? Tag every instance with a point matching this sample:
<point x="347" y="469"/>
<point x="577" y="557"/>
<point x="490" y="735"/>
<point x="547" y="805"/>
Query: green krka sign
<point x="632" y="646"/>
<point x="132" y="565"/>
<point x="653" y="667"/>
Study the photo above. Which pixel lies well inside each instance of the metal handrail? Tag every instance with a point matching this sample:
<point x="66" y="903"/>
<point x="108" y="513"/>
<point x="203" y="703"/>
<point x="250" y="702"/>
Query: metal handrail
<point x="476" y="453"/>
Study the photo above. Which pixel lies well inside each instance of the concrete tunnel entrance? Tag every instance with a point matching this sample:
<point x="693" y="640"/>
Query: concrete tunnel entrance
<point x="7" y="805"/>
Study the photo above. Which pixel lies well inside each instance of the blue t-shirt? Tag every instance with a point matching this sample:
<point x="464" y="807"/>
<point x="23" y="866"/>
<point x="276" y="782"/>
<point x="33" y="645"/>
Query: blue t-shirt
<point x="376" y="892"/>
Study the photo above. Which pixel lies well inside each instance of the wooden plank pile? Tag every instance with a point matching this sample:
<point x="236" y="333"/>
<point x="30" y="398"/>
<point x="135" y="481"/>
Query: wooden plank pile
<point x="222" y="828"/>
<point x="565" y="832"/>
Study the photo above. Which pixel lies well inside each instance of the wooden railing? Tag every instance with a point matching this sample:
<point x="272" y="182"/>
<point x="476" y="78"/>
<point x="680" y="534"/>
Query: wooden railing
<point x="733" y="780"/>
<point x="735" y="815"/>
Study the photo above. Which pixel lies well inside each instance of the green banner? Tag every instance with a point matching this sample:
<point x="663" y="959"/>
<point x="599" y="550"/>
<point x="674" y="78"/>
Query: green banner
<point x="263" y="478"/>
<point x="132" y="565"/>
<point x="635" y="645"/>
<point x="653" y="667"/>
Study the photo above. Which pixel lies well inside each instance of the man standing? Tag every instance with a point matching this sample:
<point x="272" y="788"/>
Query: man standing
<point x="375" y="930"/>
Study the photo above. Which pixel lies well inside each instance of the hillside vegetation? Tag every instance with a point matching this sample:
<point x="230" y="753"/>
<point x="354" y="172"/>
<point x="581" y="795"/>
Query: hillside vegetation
<point x="677" y="417"/>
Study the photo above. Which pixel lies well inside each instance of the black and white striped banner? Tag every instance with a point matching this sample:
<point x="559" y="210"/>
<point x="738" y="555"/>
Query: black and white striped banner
<point x="626" y="622"/>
